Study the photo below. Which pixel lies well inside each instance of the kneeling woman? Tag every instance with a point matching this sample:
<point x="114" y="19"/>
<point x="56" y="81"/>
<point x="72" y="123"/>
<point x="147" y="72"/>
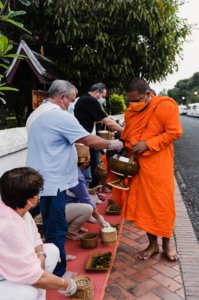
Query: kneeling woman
<point x="26" y="263"/>
<point x="80" y="204"/>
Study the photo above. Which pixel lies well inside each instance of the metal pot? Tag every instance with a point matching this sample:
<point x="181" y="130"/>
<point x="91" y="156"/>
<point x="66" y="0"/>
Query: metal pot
<point x="122" y="168"/>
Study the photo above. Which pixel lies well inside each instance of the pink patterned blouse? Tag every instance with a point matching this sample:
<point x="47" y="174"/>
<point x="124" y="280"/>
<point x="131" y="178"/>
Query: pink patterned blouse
<point x="18" y="238"/>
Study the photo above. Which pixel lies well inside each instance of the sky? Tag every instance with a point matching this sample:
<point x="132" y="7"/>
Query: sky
<point x="190" y="63"/>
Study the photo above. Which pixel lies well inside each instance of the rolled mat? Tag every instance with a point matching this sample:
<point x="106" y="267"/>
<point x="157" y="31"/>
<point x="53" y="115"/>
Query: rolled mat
<point x="99" y="278"/>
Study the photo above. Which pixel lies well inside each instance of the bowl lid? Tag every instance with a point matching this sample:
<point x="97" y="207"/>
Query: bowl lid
<point x="108" y="229"/>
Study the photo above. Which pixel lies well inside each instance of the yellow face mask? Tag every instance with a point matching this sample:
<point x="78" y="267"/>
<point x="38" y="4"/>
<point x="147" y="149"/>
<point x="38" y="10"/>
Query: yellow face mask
<point x="139" y="106"/>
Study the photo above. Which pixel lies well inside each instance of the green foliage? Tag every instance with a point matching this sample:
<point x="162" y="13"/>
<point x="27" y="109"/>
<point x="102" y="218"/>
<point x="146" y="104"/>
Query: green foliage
<point x="117" y="104"/>
<point x="186" y="91"/>
<point x="7" y="15"/>
<point x="109" y="40"/>
<point x="5" y="47"/>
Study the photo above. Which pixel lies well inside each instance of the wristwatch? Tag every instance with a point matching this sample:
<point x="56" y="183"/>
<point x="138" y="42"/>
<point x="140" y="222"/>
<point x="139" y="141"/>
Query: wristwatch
<point x="41" y="253"/>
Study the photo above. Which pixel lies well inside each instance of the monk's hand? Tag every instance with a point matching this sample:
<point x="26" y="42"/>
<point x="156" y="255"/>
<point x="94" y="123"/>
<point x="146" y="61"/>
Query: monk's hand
<point x="139" y="147"/>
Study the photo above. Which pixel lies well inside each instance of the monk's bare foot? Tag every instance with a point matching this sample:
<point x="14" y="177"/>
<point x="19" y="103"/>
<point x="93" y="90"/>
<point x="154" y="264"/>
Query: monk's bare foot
<point x="148" y="252"/>
<point x="170" y="252"/>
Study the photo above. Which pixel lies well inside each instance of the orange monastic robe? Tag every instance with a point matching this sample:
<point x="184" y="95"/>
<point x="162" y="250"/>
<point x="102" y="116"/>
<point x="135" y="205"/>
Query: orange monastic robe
<point x="149" y="202"/>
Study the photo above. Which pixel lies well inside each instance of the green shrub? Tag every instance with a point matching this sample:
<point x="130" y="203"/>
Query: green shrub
<point x="117" y="104"/>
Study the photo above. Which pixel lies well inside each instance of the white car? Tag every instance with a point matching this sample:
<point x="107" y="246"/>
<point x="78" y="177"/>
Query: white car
<point x="182" y="109"/>
<point x="193" y="110"/>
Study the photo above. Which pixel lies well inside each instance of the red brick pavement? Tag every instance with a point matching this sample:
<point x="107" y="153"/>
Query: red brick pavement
<point x="156" y="278"/>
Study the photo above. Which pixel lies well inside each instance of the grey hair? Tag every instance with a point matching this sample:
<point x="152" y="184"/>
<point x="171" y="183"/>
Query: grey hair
<point x="61" y="86"/>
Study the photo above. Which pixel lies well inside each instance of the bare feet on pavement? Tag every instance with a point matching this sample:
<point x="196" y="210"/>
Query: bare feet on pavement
<point x="170" y="252"/>
<point x="148" y="252"/>
<point x="70" y="257"/>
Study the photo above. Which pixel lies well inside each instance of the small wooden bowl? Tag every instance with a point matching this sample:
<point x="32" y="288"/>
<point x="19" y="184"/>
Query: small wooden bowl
<point x="89" y="240"/>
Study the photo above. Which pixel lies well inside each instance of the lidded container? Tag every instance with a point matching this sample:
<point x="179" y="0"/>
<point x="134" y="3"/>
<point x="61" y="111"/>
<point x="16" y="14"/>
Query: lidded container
<point x="82" y="152"/>
<point x="85" y="290"/>
<point x="105" y="134"/>
<point x="109" y="236"/>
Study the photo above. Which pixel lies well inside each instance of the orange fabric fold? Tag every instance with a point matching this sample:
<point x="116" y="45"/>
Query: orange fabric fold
<point x="149" y="202"/>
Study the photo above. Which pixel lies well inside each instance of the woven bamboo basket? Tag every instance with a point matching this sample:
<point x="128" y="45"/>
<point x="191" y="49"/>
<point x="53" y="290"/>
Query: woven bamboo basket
<point x="85" y="289"/>
<point x="82" y="152"/>
<point x="109" y="236"/>
<point x="105" y="134"/>
<point x="89" y="240"/>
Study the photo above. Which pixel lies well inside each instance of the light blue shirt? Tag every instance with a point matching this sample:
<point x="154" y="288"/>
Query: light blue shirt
<point x="51" y="150"/>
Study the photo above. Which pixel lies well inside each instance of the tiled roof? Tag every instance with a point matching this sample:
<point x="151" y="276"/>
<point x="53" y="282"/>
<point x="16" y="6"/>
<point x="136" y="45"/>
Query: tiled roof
<point x="42" y="66"/>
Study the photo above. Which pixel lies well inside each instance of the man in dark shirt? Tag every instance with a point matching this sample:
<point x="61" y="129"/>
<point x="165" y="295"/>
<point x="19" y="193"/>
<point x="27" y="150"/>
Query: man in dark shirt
<point x="88" y="111"/>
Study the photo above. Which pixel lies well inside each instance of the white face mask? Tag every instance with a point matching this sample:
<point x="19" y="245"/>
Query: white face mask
<point x="101" y="100"/>
<point x="71" y="107"/>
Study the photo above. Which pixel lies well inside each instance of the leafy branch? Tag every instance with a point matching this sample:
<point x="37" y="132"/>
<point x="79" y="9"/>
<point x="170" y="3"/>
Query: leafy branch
<point x="7" y="15"/>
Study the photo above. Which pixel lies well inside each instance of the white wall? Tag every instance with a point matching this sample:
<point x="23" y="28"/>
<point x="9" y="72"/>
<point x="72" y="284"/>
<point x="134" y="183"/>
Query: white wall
<point x="13" y="148"/>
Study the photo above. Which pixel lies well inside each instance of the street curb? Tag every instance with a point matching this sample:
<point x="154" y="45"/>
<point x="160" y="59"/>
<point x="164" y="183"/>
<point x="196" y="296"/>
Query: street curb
<point x="187" y="247"/>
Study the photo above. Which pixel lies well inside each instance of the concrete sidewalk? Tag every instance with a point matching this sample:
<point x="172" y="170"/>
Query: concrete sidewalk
<point x="156" y="278"/>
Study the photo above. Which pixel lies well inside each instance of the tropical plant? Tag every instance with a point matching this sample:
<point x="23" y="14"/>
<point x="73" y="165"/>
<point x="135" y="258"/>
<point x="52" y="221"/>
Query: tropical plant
<point x="7" y="15"/>
<point x="109" y="40"/>
<point x="117" y="104"/>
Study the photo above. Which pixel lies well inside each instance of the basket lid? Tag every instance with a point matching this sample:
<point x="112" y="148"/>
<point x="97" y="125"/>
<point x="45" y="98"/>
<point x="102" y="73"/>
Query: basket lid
<point x="82" y="152"/>
<point x="108" y="229"/>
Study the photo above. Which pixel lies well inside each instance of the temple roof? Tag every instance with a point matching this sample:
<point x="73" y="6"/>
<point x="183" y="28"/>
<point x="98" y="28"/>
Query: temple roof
<point x="44" y="69"/>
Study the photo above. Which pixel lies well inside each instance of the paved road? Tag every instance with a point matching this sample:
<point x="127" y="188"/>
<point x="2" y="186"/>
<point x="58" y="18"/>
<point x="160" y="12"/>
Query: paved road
<point x="187" y="168"/>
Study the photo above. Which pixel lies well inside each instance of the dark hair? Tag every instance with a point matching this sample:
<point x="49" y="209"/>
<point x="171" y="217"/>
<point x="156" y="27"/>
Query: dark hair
<point x="18" y="185"/>
<point x="137" y="84"/>
<point x="97" y="86"/>
<point x="152" y="91"/>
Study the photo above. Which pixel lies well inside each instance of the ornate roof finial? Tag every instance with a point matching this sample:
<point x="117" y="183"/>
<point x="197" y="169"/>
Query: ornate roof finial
<point x="42" y="50"/>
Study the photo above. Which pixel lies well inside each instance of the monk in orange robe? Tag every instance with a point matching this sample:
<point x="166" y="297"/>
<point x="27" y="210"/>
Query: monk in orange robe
<point x="151" y="126"/>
